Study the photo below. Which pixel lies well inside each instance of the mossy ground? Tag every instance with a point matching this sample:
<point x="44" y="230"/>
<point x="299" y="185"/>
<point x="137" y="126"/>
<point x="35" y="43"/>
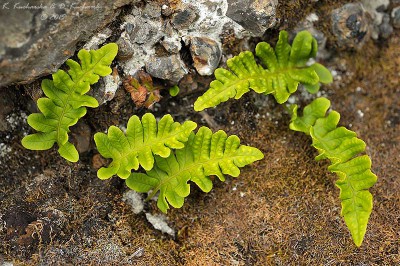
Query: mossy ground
<point x="282" y="210"/>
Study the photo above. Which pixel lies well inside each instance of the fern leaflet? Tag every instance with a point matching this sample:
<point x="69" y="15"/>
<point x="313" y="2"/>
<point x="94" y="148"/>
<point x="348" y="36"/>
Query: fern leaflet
<point x="204" y="154"/>
<point x="66" y="101"/>
<point x="341" y="146"/>
<point x="282" y="70"/>
<point x="143" y="139"/>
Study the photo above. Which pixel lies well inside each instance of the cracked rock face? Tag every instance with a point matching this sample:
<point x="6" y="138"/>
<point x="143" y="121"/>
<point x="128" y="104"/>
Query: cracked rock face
<point x="38" y="36"/>
<point x="206" y="54"/>
<point x="254" y="16"/>
<point x="350" y="25"/>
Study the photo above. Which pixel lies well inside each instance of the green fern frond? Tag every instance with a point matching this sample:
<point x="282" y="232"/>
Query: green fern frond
<point x="66" y="101"/>
<point x="204" y="154"/>
<point x="281" y="72"/>
<point x="342" y="147"/>
<point x="143" y="139"/>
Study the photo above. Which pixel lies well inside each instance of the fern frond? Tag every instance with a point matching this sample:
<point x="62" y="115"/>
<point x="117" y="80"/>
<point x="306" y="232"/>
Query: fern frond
<point x="204" y="154"/>
<point x="342" y="147"/>
<point x="143" y="139"/>
<point x="66" y="101"/>
<point x="282" y="70"/>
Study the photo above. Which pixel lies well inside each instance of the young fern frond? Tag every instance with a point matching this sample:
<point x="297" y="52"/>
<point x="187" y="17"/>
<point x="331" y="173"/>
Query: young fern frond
<point x="66" y="101"/>
<point x="204" y="154"/>
<point x="143" y="139"/>
<point x="281" y="72"/>
<point x="342" y="147"/>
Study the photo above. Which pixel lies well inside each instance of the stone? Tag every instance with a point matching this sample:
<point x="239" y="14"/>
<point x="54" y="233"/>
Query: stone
<point x="385" y="29"/>
<point x="38" y="36"/>
<point x="152" y="10"/>
<point x="206" y="54"/>
<point x="169" y="68"/>
<point x="166" y="10"/>
<point x="350" y="25"/>
<point x="185" y="18"/>
<point x="171" y="45"/>
<point x="105" y="89"/>
<point x="396" y="17"/>
<point x="99" y="38"/>
<point x="254" y="16"/>
<point x="125" y="47"/>
<point x="145" y="31"/>
<point x="164" y="34"/>
<point x="376" y="10"/>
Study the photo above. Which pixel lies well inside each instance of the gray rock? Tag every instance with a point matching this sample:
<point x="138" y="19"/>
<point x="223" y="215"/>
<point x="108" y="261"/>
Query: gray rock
<point x="350" y="25"/>
<point x="145" y="31"/>
<point x="171" y="45"/>
<point x="185" y="18"/>
<point x="254" y="16"/>
<point x="385" y="29"/>
<point x="134" y="200"/>
<point x="159" y="223"/>
<point x="166" y="10"/>
<point x="125" y="47"/>
<point x="396" y="17"/>
<point x="170" y="68"/>
<point x="37" y="37"/>
<point x="152" y="10"/>
<point x="105" y="89"/>
<point x="206" y="54"/>
<point x="376" y="10"/>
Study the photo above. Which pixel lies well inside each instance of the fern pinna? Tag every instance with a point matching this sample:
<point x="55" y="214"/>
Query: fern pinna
<point x="144" y="139"/>
<point x="342" y="148"/>
<point x="172" y="155"/>
<point x="282" y="70"/>
<point x="66" y="101"/>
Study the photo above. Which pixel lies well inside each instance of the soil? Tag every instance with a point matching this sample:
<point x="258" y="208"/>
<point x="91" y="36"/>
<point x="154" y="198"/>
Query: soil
<point x="282" y="210"/>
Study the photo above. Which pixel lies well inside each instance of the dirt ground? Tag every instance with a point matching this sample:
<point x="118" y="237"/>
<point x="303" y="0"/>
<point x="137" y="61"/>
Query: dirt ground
<point x="282" y="210"/>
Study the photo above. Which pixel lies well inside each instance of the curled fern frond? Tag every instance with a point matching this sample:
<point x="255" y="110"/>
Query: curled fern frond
<point x="143" y="139"/>
<point x="204" y="154"/>
<point x="282" y="70"/>
<point x="66" y="101"/>
<point x="342" y="147"/>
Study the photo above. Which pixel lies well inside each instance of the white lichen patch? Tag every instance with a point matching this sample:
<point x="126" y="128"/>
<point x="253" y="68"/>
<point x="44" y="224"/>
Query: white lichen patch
<point x="159" y="222"/>
<point x="98" y="39"/>
<point x="134" y="199"/>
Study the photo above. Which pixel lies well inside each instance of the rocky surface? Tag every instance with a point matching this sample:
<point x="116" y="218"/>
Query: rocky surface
<point x="380" y="26"/>
<point x="37" y="37"/>
<point x="49" y="33"/>
<point x="170" y="68"/>
<point x="396" y="17"/>
<point x="350" y="25"/>
<point x="254" y="16"/>
<point x="206" y="54"/>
